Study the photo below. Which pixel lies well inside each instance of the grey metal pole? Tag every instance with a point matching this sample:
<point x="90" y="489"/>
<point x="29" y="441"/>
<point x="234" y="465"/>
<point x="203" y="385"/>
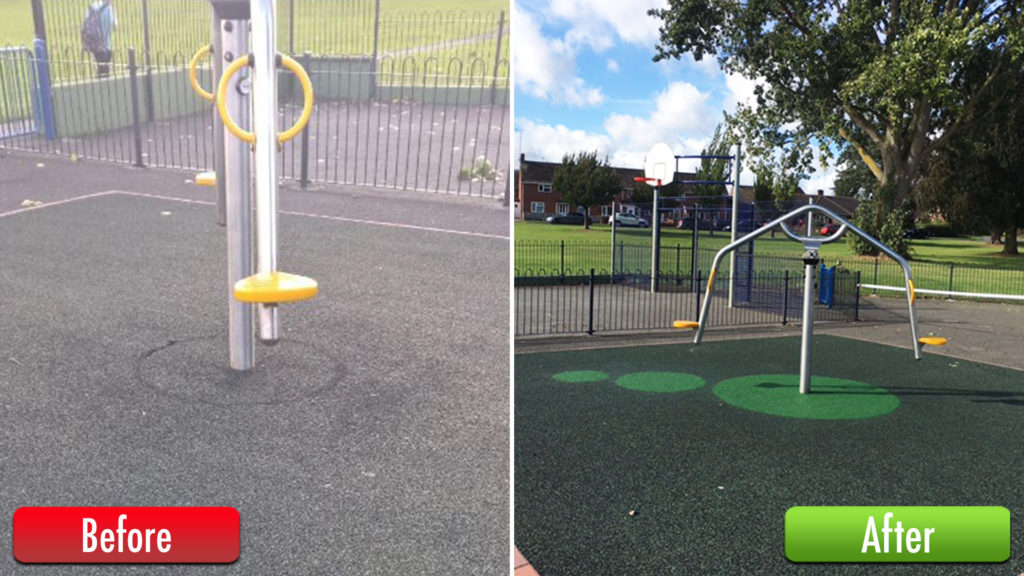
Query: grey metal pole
<point x="237" y="184"/>
<point x="734" y="223"/>
<point x="808" y="329"/>
<point x="655" y="242"/>
<point x="218" y="127"/>
<point x="264" y="111"/>
<point x="613" y="240"/>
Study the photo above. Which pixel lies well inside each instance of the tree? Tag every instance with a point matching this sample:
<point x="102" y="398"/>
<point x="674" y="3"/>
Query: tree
<point x="854" y="179"/>
<point x="977" y="182"/>
<point x="585" y="181"/>
<point x="713" y="169"/>
<point x="894" y="79"/>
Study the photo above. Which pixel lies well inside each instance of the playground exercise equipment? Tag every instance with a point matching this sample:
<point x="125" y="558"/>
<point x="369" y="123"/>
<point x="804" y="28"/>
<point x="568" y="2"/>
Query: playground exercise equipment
<point x="811" y="244"/>
<point x="245" y="96"/>
<point x="661" y="165"/>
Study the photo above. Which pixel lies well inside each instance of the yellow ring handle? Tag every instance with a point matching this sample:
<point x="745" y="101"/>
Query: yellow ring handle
<point x="245" y="135"/>
<point x="193" y="74"/>
<point x="307" y="99"/>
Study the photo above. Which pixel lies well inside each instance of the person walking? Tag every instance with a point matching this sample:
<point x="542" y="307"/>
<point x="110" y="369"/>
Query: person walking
<point x="98" y="34"/>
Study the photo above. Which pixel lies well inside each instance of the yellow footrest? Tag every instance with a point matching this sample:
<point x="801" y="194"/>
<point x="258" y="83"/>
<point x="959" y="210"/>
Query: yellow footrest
<point x="275" y="288"/>
<point x="932" y="341"/>
<point x="206" y="179"/>
<point x="685" y="324"/>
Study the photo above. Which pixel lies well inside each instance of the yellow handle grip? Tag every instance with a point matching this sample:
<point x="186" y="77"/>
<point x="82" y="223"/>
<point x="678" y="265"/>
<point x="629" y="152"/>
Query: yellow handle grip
<point x="245" y="135"/>
<point x="193" y="74"/>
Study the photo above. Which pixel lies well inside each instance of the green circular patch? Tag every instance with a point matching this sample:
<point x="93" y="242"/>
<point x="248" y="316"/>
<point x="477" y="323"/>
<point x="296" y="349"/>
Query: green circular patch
<point x="660" y="381"/>
<point x="577" y="376"/>
<point x="829" y="398"/>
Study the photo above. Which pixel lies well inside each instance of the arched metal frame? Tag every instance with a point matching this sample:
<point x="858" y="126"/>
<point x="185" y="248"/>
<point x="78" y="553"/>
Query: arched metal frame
<point x="810" y="243"/>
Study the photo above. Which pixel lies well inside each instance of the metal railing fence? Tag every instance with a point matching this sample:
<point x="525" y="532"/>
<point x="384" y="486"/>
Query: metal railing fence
<point x="552" y="256"/>
<point x="408" y="127"/>
<point x="591" y="302"/>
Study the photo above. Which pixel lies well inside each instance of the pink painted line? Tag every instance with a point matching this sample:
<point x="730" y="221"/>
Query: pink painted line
<point x="396" y="225"/>
<point x="56" y="203"/>
<point x="335" y="218"/>
<point x="288" y="212"/>
<point x="162" y="197"/>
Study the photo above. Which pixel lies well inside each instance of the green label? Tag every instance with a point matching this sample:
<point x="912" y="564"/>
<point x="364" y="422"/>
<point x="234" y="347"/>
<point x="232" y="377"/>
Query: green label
<point x="898" y="534"/>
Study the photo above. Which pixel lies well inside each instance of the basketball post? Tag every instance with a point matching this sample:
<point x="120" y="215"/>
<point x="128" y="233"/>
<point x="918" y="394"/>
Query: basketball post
<point x="734" y="224"/>
<point x="659" y="168"/>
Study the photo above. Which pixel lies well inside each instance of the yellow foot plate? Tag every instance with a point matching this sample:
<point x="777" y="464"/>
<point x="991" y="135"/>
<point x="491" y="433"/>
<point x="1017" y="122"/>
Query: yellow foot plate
<point x="685" y="324"/>
<point x="274" y="288"/>
<point x="206" y="179"/>
<point x="932" y="341"/>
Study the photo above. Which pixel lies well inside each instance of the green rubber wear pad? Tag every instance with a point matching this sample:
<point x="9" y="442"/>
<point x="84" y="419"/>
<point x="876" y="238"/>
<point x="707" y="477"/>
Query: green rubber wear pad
<point x="829" y="398"/>
<point x="580" y="376"/>
<point x="660" y="381"/>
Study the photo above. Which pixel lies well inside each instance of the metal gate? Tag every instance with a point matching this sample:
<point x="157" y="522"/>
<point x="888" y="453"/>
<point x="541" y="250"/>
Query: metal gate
<point x="19" y="89"/>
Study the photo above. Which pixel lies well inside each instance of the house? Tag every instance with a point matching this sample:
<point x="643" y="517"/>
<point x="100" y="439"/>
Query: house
<point x="537" y="198"/>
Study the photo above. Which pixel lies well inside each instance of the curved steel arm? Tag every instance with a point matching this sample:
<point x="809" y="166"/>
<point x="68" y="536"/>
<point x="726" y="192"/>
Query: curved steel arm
<point x="805" y="239"/>
<point x="844" y="226"/>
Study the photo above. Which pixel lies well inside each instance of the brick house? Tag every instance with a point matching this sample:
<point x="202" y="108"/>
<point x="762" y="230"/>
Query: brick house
<point x="537" y="198"/>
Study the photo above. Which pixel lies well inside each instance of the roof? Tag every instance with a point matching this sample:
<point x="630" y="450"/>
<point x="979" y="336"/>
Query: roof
<point x="544" y="172"/>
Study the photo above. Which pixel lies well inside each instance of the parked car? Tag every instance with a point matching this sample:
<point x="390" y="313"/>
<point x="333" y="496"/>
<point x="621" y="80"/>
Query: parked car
<point x="631" y="220"/>
<point x="685" y="223"/>
<point x="572" y="218"/>
<point x="829" y="229"/>
<point x="917" y="233"/>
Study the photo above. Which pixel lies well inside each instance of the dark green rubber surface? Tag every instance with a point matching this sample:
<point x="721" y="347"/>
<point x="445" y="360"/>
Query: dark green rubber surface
<point x="660" y="381"/>
<point x="577" y="376"/>
<point x="828" y="399"/>
<point x="711" y="483"/>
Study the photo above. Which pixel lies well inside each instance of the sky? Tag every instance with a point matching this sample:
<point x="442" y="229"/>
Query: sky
<point x="585" y="80"/>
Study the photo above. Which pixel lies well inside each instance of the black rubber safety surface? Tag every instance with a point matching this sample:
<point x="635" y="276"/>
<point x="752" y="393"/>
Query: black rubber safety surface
<point x="612" y="480"/>
<point x="372" y="440"/>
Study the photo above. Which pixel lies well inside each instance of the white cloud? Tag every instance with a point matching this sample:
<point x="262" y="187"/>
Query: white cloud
<point x="596" y="23"/>
<point x="741" y="91"/>
<point x="550" y="143"/>
<point x="681" y="118"/>
<point x="545" y="68"/>
<point x="613" y="66"/>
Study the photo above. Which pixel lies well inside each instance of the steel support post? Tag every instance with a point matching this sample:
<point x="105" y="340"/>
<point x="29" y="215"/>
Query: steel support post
<point x="236" y="177"/>
<point x="264" y="110"/>
<point x="217" y="64"/>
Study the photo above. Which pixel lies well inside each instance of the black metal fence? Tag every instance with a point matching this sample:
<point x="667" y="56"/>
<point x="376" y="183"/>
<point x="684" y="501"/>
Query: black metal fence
<point x="366" y="28"/>
<point x="547" y="257"/>
<point x="432" y="116"/>
<point x="594" y="302"/>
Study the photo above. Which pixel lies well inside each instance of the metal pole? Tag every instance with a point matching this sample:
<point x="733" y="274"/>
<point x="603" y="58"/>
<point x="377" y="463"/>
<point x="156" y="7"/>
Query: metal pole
<point x="613" y="241"/>
<point x="373" y="57"/>
<point x="497" y="58"/>
<point x="655" y="243"/>
<point x="237" y="178"/>
<point x="304" y="149"/>
<point x="734" y="223"/>
<point x="149" y="68"/>
<point x="218" y="128"/>
<point x="590" y="321"/>
<point x="136" y="128"/>
<point x="264" y="120"/>
<point x="808" y="329"/>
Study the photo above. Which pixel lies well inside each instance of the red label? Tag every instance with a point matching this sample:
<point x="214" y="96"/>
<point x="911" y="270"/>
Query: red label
<point x="138" y="535"/>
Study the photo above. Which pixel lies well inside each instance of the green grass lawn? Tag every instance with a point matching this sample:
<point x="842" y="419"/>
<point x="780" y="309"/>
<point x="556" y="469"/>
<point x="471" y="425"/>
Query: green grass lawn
<point x="978" y="266"/>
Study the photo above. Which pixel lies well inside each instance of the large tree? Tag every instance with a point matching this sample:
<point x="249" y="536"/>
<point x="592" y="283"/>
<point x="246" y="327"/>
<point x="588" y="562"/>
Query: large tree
<point x="977" y="181"/>
<point x="585" y="181"/>
<point x="854" y="178"/>
<point x="893" y="79"/>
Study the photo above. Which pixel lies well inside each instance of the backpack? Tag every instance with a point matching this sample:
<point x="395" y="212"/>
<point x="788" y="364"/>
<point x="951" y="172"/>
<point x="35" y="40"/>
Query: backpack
<point x="94" y="38"/>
